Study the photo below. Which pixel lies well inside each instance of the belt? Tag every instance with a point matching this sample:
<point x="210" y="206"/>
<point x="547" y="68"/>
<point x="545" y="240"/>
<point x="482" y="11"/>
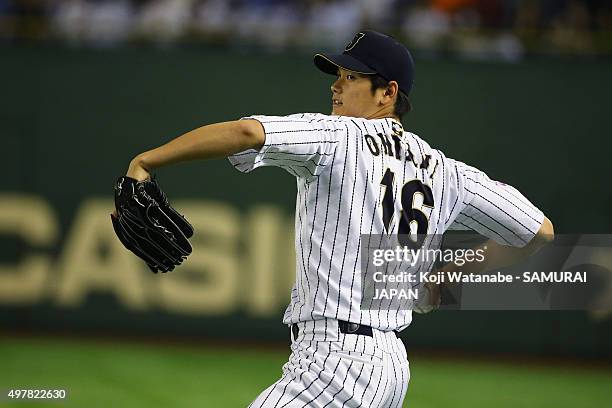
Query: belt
<point x="345" y="327"/>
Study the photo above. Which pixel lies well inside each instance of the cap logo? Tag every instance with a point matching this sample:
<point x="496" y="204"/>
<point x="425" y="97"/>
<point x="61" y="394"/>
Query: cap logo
<point x="353" y="43"/>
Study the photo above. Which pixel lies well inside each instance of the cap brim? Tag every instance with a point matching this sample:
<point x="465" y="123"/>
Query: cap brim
<point x="330" y="64"/>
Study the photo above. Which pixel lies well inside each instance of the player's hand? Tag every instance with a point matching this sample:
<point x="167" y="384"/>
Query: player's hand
<point x="431" y="301"/>
<point x="137" y="170"/>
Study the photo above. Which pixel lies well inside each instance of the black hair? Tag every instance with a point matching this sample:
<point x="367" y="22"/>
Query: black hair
<point x="402" y="103"/>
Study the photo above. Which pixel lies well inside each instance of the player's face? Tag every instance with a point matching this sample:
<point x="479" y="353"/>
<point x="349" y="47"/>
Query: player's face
<point x="352" y="95"/>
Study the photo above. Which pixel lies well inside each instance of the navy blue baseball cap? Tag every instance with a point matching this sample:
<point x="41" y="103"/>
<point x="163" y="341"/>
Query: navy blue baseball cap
<point x="371" y="53"/>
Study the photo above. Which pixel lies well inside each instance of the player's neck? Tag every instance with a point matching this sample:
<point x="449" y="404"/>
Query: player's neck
<point x="384" y="112"/>
<point x="390" y="116"/>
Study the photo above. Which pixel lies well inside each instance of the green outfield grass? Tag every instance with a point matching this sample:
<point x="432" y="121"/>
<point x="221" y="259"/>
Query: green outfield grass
<point x="114" y="374"/>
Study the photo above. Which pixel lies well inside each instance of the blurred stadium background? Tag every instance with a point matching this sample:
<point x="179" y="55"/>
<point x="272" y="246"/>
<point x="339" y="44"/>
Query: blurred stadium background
<point x="519" y="88"/>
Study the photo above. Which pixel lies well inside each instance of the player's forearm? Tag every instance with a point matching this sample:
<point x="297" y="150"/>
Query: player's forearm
<point x="207" y="142"/>
<point x="496" y="256"/>
<point x="499" y="256"/>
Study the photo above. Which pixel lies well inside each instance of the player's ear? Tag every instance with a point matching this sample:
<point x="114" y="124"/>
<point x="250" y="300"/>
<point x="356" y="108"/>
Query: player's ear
<point x="392" y="89"/>
<point x="391" y="92"/>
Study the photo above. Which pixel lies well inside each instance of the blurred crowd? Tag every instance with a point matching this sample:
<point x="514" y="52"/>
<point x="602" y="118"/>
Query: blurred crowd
<point x="504" y="29"/>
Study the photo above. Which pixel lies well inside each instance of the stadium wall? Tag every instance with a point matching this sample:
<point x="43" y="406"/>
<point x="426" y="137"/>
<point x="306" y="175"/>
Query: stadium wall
<point x="71" y="119"/>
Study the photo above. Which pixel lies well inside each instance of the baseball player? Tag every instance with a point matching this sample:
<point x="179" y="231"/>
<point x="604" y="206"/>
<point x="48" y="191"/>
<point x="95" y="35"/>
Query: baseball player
<point x="358" y="171"/>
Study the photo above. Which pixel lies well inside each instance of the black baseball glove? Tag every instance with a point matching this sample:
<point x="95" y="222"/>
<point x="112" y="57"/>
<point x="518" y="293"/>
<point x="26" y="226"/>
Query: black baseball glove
<point x="148" y="226"/>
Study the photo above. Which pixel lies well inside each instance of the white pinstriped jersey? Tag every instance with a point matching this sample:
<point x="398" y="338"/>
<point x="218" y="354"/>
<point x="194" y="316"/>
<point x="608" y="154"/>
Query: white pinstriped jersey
<point x="344" y="167"/>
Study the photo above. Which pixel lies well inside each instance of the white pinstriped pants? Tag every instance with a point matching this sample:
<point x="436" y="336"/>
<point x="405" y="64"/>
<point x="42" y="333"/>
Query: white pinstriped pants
<point x="328" y="368"/>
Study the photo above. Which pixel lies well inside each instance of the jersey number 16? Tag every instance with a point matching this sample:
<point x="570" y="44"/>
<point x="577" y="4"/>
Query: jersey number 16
<point x="414" y="222"/>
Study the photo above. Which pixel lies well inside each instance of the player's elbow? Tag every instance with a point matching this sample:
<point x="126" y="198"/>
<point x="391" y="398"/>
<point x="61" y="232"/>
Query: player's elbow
<point x="544" y="236"/>
<point x="252" y="134"/>
<point x="546" y="233"/>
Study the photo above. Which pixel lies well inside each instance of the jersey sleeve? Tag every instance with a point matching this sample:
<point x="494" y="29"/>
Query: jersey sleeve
<point x="301" y="144"/>
<point x="491" y="208"/>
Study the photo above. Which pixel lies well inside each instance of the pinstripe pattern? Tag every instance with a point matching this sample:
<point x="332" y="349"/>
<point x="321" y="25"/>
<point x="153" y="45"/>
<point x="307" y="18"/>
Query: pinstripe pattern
<point x="339" y="163"/>
<point x="330" y="369"/>
<point x="493" y="209"/>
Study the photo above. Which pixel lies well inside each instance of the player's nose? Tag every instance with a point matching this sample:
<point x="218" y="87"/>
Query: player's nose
<point x="335" y="87"/>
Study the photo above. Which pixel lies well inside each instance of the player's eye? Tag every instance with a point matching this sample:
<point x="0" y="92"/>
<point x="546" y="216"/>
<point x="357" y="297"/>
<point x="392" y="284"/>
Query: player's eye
<point x="350" y="77"/>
